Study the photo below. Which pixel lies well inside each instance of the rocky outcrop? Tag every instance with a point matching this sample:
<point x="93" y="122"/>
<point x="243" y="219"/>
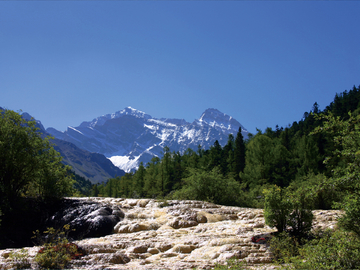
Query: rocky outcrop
<point x="86" y="218"/>
<point x="178" y="235"/>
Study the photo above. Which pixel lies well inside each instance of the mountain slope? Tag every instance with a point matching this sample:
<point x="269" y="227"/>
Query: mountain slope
<point x="93" y="166"/>
<point x="129" y="136"/>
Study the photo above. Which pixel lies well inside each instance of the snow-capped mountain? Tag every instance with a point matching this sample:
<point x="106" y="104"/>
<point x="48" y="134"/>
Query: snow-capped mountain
<point x="130" y="136"/>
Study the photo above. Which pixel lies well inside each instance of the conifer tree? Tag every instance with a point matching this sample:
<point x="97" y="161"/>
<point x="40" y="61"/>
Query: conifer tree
<point x="239" y="154"/>
<point x="215" y="155"/>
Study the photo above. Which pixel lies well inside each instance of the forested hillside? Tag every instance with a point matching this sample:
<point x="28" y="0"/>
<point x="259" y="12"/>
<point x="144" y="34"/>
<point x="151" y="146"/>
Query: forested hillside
<point x="289" y="171"/>
<point x="237" y="173"/>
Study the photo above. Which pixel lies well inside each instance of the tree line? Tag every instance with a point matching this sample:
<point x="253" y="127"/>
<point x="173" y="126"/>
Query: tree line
<point x="238" y="172"/>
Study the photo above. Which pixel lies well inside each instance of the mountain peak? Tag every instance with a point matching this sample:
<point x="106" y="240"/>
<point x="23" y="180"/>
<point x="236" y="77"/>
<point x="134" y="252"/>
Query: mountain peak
<point x="28" y="117"/>
<point x="99" y="121"/>
<point x="133" y="112"/>
<point x="212" y="114"/>
<point x="215" y="118"/>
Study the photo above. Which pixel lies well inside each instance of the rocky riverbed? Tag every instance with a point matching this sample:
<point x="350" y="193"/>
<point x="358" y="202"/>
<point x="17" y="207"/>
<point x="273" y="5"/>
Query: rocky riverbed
<point x="175" y="234"/>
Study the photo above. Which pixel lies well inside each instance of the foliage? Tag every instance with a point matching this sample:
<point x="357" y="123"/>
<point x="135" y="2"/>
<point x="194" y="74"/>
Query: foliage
<point x="176" y="176"/>
<point x="326" y="250"/>
<point x="239" y="154"/>
<point x="346" y="176"/>
<point x="292" y="156"/>
<point x="57" y="251"/>
<point x="301" y="216"/>
<point x="332" y="250"/>
<point x="209" y="186"/>
<point x="277" y="208"/>
<point x="82" y="186"/>
<point x="320" y="190"/>
<point x="266" y="162"/>
<point x="20" y="259"/>
<point x="29" y="165"/>
<point x="284" y="247"/>
<point x="288" y="210"/>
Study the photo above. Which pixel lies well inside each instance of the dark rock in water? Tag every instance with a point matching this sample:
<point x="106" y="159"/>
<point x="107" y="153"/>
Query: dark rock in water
<point x="86" y="219"/>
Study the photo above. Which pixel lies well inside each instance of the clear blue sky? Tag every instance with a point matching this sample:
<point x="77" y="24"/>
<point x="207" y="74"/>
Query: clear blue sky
<point x="264" y="63"/>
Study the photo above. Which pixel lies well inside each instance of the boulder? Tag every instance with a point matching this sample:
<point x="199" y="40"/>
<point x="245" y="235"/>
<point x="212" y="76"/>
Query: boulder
<point x="86" y="219"/>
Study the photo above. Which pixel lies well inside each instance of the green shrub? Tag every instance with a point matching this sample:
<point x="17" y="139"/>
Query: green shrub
<point x="288" y="210"/>
<point x="57" y="251"/>
<point x="57" y="256"/>
<point x="332" y="250"/>
<point x="284" y="247"/>
<point x="277" y="208"/>
<point x="301" y="216"/>
<point x="327" y="250"/>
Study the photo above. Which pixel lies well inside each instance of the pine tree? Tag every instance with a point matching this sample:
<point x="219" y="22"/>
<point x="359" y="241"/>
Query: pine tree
<point x="239" y="155"/>
<point x="215" y="155"/>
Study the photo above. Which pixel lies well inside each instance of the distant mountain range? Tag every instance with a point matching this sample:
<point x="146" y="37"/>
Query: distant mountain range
<point x="93" y="166"/>
<point x="129" y="136"/>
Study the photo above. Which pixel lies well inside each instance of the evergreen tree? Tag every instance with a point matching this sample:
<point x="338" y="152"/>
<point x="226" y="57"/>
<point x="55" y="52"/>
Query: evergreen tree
<point x="227" y="163"/>
<point x="239" y="155"/>
<point x="95" y="191"/>
<point x="266" y="162"/>
<point x="215" y="156"/>
<point x="151" y="187"/>
<point x="166" y="171"/>
<point x="178" y="171"/>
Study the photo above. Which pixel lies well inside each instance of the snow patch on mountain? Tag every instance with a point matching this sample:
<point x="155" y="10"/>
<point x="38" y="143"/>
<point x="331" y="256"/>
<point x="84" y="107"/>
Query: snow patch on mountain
<point x="125" y="162"/>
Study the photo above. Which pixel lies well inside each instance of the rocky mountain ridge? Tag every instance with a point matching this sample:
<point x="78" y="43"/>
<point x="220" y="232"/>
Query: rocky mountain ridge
<point x="130" y="136"/>
<point x="93" y="166"/>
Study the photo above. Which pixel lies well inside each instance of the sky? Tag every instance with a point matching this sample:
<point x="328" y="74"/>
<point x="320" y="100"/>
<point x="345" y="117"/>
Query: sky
<point x="264" y="63"/>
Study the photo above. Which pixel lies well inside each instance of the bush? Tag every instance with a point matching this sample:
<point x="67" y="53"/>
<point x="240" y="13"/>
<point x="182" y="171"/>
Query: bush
<point x="284" y="247"/>
<point x="331" y="250"/>
<point x="57" y="251"/>
<point x="57" y="256"/>
<point x="277" y="208"/>
<point x="327" y="250"/>
<point x="289" y="210"/>
<point x="301" y="216"/>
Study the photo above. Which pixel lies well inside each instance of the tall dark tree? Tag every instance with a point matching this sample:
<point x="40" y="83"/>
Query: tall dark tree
<point x="227" y="162"/>
<point x="316" y="109"/>
<point x="239" y="154"/>
<point x="215" y="155"/>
